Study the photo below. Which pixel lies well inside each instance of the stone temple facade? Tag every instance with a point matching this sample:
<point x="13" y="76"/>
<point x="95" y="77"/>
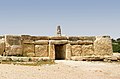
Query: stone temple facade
<point x="55" y="47"/>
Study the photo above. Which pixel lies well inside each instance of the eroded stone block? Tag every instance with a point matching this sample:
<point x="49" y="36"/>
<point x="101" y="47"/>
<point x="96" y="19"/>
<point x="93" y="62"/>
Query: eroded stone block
<point x="76" y="50"/>
<point x="28" y="50"/>
<point x="41" y="50"/>
<point x="103" y="46"/>
<point x="68" y="51"/>
<point x="12" y="40"/>
<point x="15" y="50"/>
<point x="87" y="50"/>
<point x="2" y="46"/>
<point x="51" y="51"/>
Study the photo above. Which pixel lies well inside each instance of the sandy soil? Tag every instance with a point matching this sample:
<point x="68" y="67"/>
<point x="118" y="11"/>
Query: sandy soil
<point x="62" y="70"/>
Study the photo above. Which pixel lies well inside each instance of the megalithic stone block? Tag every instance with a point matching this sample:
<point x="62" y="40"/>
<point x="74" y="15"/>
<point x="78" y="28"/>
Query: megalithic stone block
<point x="103" y="46"/>
<point x="2" y="46"/>
<point x="68" y="51"/>
<point x="13" y="45"/>
<point x="41" y="50"/>
<point x="15" y="50"/>
<point x="29" y="50"/>
<point x="87" y="50"/>
<point x="51" y="51"/>
<point x="76" y="50"/>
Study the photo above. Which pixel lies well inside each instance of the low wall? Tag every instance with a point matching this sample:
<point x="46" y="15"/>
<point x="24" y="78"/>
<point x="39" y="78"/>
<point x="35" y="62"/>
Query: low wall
<point x="44" y="46"/>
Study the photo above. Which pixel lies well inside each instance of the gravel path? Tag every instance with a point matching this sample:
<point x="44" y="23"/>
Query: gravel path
<point x="62" y="70"/>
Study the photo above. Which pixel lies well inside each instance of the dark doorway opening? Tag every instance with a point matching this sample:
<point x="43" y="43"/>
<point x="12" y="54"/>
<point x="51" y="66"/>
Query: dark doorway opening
<point x="60" y="52"/>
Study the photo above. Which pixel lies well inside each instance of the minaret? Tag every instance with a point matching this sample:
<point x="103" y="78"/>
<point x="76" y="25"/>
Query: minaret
<point x="58" y="31"/>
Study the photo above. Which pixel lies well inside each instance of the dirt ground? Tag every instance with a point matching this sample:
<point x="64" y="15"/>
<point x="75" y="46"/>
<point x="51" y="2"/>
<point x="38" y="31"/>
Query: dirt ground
<point x="63" y="69"/>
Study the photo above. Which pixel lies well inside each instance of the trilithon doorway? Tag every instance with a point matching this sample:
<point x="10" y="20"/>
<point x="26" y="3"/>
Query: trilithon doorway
<point x="60" y="53"/>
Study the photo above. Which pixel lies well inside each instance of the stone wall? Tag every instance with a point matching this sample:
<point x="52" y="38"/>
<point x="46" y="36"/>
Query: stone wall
<point x="82" y="46"/>
<point x="44" y="46"/>
<point x="35" y="46"/>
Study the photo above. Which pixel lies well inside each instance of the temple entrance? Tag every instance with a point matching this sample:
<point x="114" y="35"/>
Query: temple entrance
<point x="60" y="52"/>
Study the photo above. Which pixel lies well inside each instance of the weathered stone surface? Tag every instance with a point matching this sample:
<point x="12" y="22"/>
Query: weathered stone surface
<point x="51" y="51"/>
<point x="103" y="45"/>
<point x="41" y="42"/>
<point x="89" y="38"/>
<point x="12" y="40"/>
<point x="58" y="42"/>
<point x="85" y="42"/>
<point x="117" y="55"/>
<point x="40" y="37"/>
<point x="73" y="42"/>
<point x="92" y="38"/>
<point x="87" y="50"/>
<point x="58" y="38"/>
<point x="46" y="46"/>
<point x="73" y="38"/>
<point x="2" y="46"/>
<point x="14" y="50"/>
<point x="30" y="54"/>
<point x="77" y="58"/>
<point x="41" y="50"/>
<point x="26" y="37"/>
<point x="13" y="45"/>
<point x="28" y="42"/>
<point x="28" y="49"/>
<point x="76" y="50"/>
<point x="68" y="51"/>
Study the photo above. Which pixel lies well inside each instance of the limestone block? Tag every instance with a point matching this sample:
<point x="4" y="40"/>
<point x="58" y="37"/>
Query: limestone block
<point x="12" y="40"/>
<point x="89" y="38"/>
<point x="26" y="37"/>
<point x="73" y="42"/>
<point x="58" y="42"/>
<point x="51" y="51"/>
<point x="40" y="37"/>
<point x="41" y="50"/>
<point x="80" y="37"/>
<point x="76" y="50"/>
<point x="87" y="50"/>
<point x="2" y="46"/>
<point x="103" y="45"/>
<point x="27" y="42"/>
<point x="85" y="42"/>
<point x="73" y="38"/>
<point x="14" y="50"/>
<point x="31" y="54"/>
<point x="68" y="51"/>
<point x="41" y="42"/>
<point x="28" y="50"/>
<point x="58" y="38"/>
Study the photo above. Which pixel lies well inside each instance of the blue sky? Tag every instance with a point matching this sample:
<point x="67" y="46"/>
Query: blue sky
<point x="76" y="17"/>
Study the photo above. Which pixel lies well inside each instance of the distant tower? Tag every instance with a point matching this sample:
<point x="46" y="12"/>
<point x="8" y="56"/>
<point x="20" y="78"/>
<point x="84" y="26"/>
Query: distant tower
<point x="58" y="31"/>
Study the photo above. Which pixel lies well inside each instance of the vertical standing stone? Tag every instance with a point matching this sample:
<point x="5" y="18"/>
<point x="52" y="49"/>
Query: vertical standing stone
<point x="2" y="46"/>
<point x="103" y="46"/>
<point x="51" y="51"/>
<point x="68" y="51"/>
<point x="58" y="31"/>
